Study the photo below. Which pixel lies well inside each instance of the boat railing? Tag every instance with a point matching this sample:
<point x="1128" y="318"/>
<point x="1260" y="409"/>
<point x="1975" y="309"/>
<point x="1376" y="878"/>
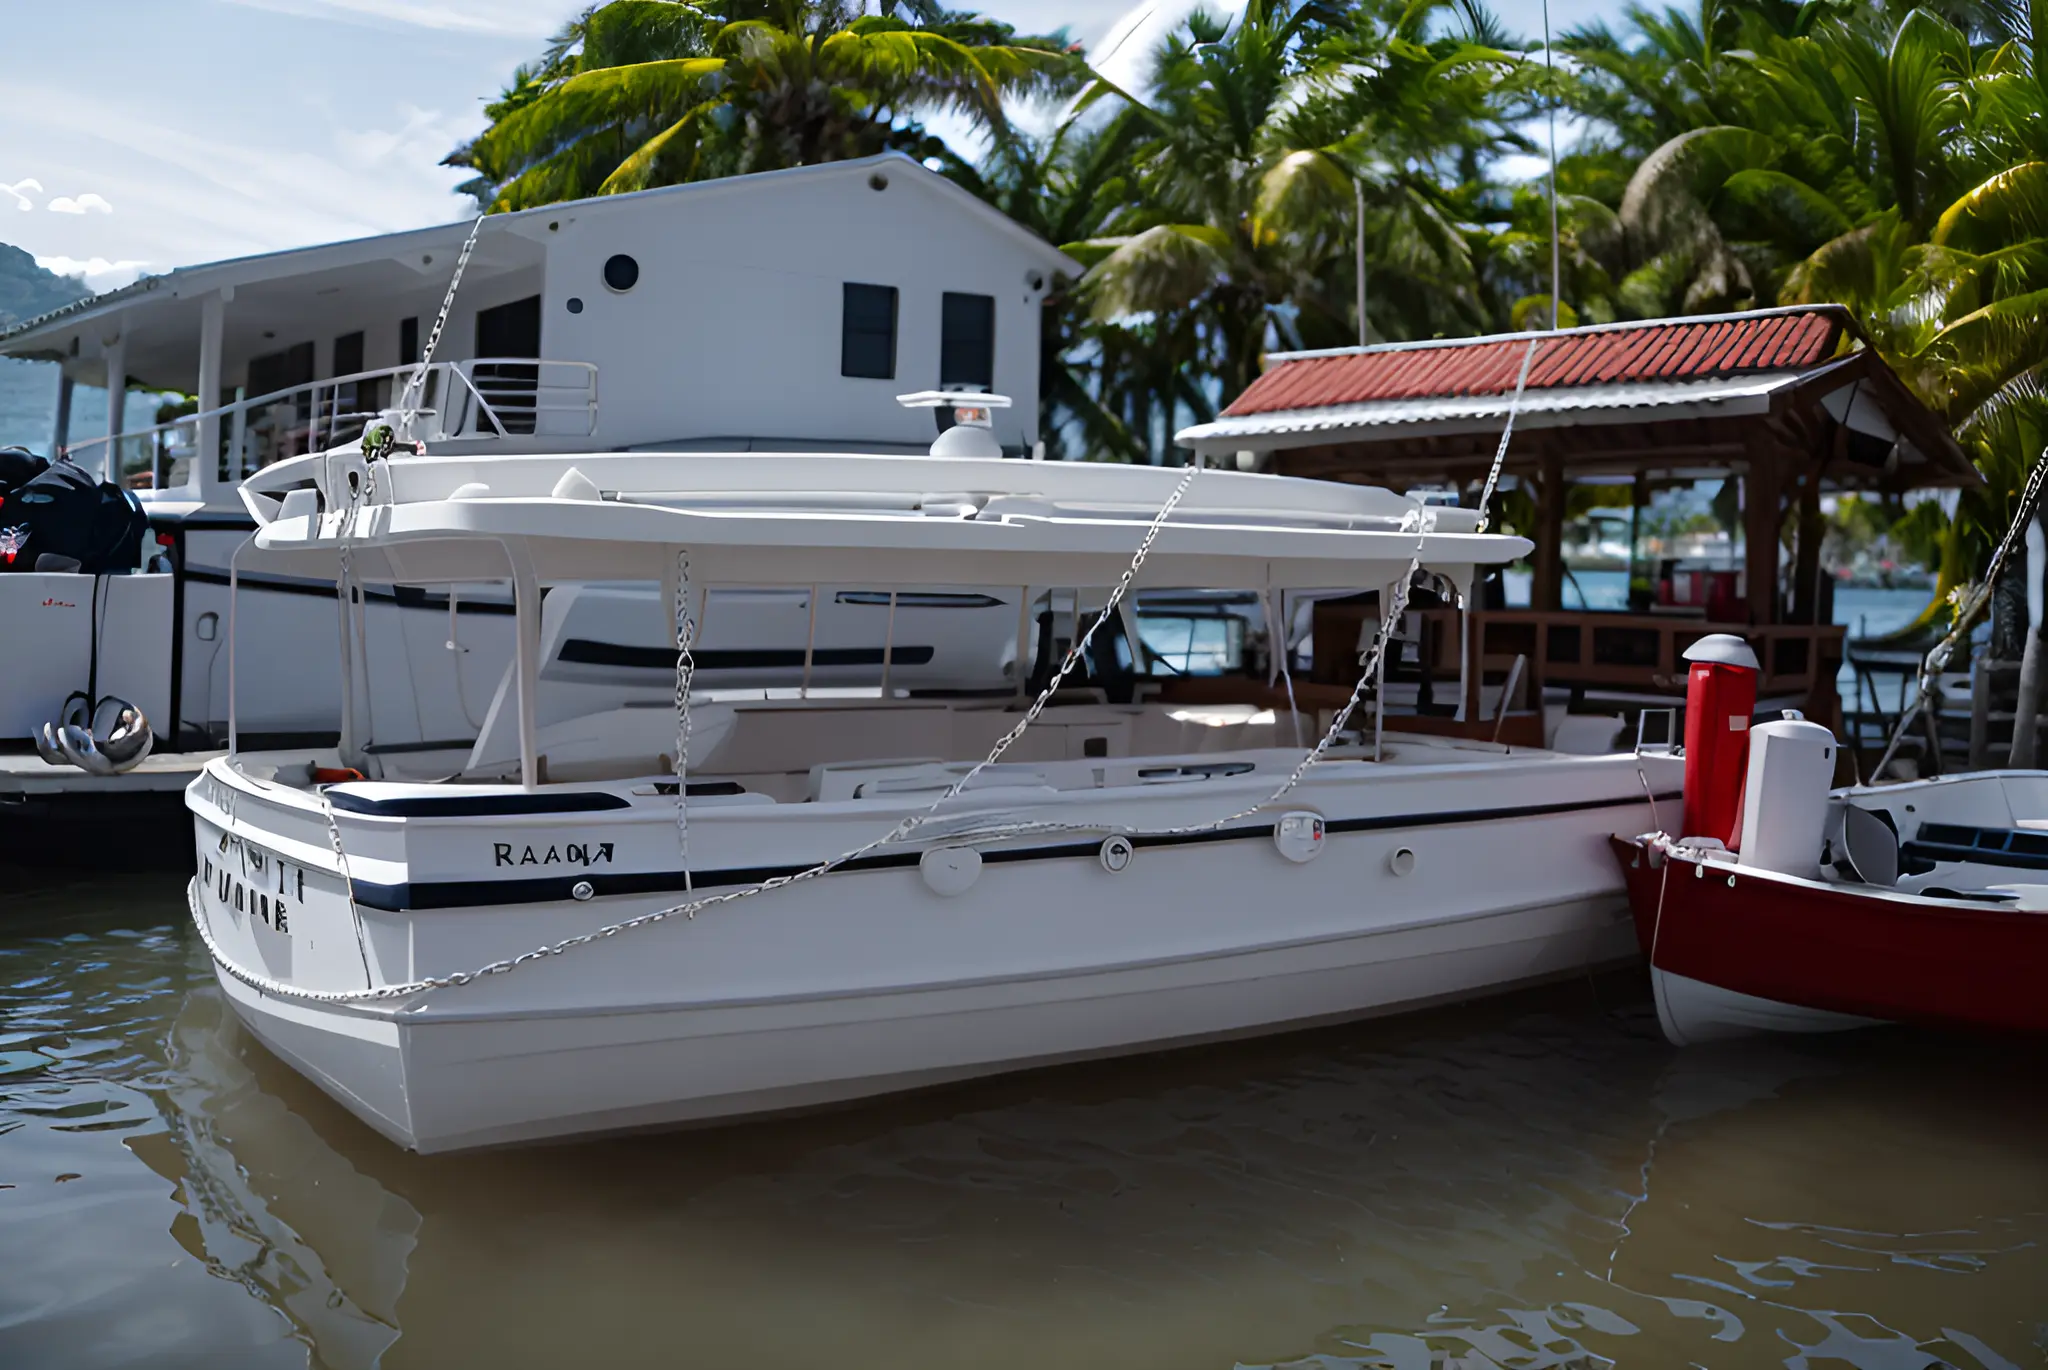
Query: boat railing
<point x="485" y="398"/>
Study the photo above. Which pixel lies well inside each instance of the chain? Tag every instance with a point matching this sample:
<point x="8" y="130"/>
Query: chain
<point x="1937" y="659"/>
<point x="1500" y="453"/>
<point x="686" y="672"/>
<point x="691" y="908"/>
<point x="417" y="385"/>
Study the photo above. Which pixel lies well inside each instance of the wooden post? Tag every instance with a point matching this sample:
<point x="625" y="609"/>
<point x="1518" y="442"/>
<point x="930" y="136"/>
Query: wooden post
<point x="1811" y="533"/>
<point x="1760" y="523"/>
<point x="1546" y="590"/>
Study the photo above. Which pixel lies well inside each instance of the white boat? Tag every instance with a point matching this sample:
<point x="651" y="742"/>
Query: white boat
<point x="646" y="917"/>
<point x="920" y="288"/>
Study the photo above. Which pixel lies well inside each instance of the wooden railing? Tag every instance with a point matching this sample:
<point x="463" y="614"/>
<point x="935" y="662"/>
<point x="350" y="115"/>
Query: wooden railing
<point x="1622" y="653"/>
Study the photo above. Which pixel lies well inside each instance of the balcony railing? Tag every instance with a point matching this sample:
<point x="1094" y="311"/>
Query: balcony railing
<point x="484" y="398"/>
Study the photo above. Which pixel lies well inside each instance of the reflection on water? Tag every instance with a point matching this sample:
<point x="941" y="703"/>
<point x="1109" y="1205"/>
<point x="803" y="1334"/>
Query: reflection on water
<point x="1536" y="1182"/>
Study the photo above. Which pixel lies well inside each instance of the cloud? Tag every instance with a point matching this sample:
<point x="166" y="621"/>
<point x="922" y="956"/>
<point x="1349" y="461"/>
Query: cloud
<point x="66" y="204"/>
<point x="18" y="191"/>
<point x="524" y="18"/>
<point x="98" y="272"/>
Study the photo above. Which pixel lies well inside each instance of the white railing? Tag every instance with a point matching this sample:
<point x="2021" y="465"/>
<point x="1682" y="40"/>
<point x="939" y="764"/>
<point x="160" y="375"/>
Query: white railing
<point x="485" y="398"/>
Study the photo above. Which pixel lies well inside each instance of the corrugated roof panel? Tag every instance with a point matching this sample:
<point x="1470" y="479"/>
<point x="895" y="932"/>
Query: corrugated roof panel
<point x="1659" y="350"/>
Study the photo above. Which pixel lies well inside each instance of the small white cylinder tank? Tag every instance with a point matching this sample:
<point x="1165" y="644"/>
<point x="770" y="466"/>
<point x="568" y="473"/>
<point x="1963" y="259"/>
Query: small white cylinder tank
<point x="1785" y="795"/>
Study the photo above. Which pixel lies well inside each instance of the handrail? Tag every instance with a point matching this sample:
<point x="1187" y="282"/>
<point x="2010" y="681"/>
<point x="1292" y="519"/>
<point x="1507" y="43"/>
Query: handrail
<point x="535" y="387"/>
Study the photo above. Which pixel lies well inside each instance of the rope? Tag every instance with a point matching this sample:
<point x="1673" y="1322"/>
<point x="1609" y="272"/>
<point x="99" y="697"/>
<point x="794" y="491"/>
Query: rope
<point x="1500" y="453"/>
<point x="416" y="386"/>
<point x="1936" y="660"/>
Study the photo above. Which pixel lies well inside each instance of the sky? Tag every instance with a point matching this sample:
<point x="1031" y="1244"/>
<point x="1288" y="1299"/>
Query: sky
<point x="141" y="135"/>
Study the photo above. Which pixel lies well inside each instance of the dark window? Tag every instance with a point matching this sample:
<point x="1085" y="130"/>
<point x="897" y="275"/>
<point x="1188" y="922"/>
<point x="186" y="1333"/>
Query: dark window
<point x="350" y="398"/>
<point x="281" y="370"/>
<point x="509" y="330"/>
<point x="408" y="341"/>
<point x="348" y="354"/>
<point x="621" y="272"/>
<point x="867" y="333"/>
<point x="967" y="341"/>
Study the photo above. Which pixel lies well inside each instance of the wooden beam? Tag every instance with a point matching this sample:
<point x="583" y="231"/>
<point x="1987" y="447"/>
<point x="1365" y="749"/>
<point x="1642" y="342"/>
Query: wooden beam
<point x="1762" y="516"/>
<point x="1547" y="585"/>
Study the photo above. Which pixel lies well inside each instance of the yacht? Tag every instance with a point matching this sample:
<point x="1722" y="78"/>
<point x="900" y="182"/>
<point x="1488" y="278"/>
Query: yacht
<point x="641" y="917"/>
<point x="701" y="317"/>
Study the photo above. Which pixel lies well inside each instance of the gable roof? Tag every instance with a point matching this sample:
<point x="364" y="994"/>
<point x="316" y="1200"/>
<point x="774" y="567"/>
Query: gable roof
<point x="1659" y="351"/>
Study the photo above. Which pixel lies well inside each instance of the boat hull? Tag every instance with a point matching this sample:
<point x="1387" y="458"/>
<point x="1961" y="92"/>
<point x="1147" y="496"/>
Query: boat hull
<point x="868" y="982"/>
<point x="1735" y="950"/>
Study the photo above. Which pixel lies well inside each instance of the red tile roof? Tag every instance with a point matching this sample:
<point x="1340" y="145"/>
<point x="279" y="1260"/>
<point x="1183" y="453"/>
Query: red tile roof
<point x="1657" y="350"/>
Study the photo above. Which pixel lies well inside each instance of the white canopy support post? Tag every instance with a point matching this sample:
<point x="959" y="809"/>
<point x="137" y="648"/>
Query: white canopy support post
<point x="810" y="643"/>
<point x="526" y="661"/>
<point x="888" y="644"/>
<point x="343" y="616"/>
<point x="1379" y="684"/>
<point x="238" y="434"/>
<point x="1023" y="638"/>
<point x="116" y="354"/>
<point x="60" y="434"/>
<point x="205" y="475"/>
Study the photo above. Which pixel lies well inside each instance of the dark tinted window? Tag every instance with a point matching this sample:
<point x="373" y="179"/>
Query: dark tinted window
<point x="348" y="354"/>
<point x="967" y="341"/>
<point x="408" y="341"/>
<point x="510" y="330"/>
<point x="867" y="334"/>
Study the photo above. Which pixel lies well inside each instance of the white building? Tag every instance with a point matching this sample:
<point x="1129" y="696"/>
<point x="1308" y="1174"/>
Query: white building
<point x="778" y="310"/>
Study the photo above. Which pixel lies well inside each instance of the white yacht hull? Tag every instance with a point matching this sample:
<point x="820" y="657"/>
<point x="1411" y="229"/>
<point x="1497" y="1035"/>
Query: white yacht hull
<point x="867" y="982"/>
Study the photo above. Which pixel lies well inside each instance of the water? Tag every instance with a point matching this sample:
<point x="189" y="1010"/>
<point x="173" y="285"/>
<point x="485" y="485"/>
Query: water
<point x="1532" y="1182"/>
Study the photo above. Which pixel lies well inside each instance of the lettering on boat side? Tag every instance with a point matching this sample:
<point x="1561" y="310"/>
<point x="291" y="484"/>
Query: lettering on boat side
<point x="554" y="854"/>
<point x="250" y="897"/>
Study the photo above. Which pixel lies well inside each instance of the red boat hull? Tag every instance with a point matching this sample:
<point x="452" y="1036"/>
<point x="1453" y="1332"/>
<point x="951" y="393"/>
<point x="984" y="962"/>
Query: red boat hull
<point x="1839" y="949"/>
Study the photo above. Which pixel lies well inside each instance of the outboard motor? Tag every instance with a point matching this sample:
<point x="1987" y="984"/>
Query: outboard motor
<point x="1785" y="795"/>
<point x="1720" y="696"/>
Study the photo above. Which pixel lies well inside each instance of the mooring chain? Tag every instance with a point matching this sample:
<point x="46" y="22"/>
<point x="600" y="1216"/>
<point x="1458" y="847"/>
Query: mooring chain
<point x="690" y="909"/>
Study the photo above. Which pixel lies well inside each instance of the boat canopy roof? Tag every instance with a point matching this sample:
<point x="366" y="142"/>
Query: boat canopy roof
<point x="810" y="519"/>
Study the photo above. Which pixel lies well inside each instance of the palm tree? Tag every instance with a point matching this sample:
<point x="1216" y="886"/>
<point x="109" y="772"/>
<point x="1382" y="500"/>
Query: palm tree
<point x="1256" y="136"/>
<point x="636" y="93"/>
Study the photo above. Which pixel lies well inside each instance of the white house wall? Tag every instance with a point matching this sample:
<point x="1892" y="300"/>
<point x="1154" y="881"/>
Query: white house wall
<point x="734" y="327"/>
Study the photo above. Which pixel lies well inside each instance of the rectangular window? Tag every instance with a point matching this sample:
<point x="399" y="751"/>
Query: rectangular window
<point x="408" y="341"/>
<point x="967" y="341"/>
<point x="867" y="332"/>
<point x="348" y="354"/>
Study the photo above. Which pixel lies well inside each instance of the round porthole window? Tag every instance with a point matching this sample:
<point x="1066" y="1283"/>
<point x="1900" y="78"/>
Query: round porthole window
<point x="575" y="304"/>
<point x="621" y="273"/>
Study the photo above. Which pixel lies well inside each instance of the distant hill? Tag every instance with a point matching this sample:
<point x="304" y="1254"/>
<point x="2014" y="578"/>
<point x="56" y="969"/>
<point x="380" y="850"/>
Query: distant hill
<point x="27" y="290"/>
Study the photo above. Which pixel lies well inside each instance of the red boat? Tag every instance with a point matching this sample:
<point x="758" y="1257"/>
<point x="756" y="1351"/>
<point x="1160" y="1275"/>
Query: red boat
<point x="1802" y="909"/>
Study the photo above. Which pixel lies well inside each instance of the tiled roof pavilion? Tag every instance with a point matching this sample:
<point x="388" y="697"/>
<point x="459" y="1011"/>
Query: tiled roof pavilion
<point x="1793" y="401"/>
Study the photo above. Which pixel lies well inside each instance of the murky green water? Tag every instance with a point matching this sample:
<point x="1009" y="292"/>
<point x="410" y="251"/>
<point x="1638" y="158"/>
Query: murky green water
<point x="1536" y="1182"/>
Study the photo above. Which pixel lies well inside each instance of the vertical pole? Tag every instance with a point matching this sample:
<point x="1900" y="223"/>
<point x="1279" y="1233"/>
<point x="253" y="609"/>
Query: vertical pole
<point x="238" y="435"/>
<point x="810" y="643"/>
<point x="1547" y="584"/>
<point x="1358" y="187"/>
<point x="206" y="453"/>
<point x="1760" y="534"/>
<point x="1550" y="82"/>
<point x="888" y="644"/>
<point x="526" y="629"/>
<point x="60" y="436"/>
<point x="1023" y="638"/>
<point x="117" y="399"/>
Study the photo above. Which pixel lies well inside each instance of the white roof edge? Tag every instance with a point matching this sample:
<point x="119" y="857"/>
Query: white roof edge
<point x="1549" y="408"/>
<point x="248" y="269"/>
<point x="1579" y="331"/>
